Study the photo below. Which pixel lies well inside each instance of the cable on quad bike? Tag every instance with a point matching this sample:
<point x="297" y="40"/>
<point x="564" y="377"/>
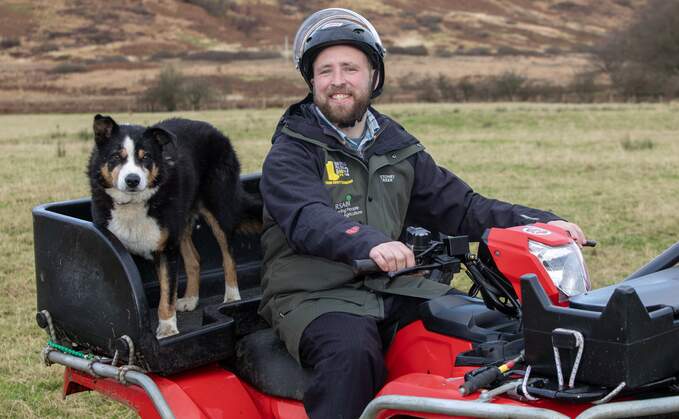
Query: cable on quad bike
<point x="484" y="376"/>
<point x="495" y="290"/>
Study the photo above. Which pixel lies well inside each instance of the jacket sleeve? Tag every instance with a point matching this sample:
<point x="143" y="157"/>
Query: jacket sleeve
<point x="295" y="197"/>
<point x="443" y="202"/>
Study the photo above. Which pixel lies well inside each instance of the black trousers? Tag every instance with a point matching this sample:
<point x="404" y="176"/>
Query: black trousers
<point x="346" y="352"/>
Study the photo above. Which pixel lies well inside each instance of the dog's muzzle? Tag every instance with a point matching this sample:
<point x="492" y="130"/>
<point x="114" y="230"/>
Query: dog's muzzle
<point x="132" y="180"/>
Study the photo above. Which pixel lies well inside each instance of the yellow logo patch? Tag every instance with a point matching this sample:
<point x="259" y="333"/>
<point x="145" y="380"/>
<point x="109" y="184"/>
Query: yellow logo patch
<point x="338" y="173"/>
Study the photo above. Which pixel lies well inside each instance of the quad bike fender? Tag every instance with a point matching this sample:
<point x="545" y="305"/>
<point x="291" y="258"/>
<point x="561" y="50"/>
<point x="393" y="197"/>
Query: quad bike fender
<point x="207" y="392"/>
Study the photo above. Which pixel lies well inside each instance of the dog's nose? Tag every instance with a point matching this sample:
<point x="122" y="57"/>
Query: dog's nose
<point x="132" y="180"/>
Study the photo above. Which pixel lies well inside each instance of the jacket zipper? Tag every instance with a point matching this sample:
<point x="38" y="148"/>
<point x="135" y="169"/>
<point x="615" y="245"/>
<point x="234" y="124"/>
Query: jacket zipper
<point x="367" y="169"/>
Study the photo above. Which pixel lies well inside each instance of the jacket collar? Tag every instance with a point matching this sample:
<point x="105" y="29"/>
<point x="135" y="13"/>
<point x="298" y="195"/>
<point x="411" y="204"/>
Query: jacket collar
<point x="302" y="119"/>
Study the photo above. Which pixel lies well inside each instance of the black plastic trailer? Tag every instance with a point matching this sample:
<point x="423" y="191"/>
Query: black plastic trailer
<point x="102" y="299"/>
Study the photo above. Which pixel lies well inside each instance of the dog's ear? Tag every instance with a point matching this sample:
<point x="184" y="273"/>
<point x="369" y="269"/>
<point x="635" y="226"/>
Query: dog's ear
<point x="167" y="141"/>
<point x="161" y="135"/>
<point x="104" y="127"/>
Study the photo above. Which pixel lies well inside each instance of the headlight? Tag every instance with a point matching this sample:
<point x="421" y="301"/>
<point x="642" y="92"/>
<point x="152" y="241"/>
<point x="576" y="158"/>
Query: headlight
<point x="565" y="266"/>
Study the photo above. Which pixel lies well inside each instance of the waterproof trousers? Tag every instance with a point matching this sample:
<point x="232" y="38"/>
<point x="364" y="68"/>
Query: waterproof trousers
<point x="346" y="353"/>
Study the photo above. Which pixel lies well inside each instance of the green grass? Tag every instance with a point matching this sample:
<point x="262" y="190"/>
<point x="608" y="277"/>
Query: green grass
<point x="610" y="168"/>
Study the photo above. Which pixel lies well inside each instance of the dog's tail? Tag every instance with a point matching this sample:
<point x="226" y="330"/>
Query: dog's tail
<point x="251" y="214"/>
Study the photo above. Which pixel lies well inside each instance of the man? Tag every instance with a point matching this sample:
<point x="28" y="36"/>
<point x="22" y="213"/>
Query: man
<point x="341" y="182"/>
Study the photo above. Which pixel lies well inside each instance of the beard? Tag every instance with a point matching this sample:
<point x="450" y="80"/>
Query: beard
<point x="344" y="116"/>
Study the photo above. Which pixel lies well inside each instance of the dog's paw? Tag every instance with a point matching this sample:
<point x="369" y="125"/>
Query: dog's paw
<point x="187" y="304"/>
<point x="231" y="294"/>
<point x="167" y="327"/>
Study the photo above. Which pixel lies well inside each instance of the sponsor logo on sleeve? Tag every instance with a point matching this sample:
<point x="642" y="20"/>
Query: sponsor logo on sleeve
<point x="352" y="230"/>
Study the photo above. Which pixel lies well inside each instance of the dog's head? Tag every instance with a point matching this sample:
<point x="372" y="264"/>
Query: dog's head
<point x="130" y="161"/>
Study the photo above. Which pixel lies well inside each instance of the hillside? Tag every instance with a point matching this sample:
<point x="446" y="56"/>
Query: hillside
<point x="72" y="55"/>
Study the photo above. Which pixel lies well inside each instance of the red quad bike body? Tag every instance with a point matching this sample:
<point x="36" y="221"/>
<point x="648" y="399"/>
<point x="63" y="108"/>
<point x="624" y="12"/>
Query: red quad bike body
<point x="420" y="363"/>
<point x="428" y="358"/>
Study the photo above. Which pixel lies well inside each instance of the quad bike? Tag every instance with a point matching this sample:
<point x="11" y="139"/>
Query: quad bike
<point x="530" y="341"/>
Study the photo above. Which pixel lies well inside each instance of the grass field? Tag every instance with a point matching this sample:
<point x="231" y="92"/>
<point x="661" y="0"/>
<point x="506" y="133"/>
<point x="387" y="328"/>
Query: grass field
<point x="613" y="169"/>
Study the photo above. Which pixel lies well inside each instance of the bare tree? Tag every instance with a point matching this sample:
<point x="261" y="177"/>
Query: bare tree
<point x="166" y="91"/>
<point x="642" y="59"/>
<point x="198" y="91"/>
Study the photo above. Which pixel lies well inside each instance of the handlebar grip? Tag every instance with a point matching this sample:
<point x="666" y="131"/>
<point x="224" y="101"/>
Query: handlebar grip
<point x="590" y="243"/>
<point x="364" y="266"/>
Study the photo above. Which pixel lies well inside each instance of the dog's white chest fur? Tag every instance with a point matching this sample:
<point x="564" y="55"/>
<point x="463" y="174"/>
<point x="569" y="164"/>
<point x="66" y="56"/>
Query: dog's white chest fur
<point x="138" y="232"/>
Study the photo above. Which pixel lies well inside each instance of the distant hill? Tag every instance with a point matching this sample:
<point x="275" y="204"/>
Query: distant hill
<point x="87" y="55"/>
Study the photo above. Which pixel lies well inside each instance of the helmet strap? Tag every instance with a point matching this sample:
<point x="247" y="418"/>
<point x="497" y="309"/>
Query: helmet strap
<point x="376" y="79"/>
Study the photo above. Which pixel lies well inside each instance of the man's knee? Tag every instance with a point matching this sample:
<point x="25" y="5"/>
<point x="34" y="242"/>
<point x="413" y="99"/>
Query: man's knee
<point x="347" y="339"/>
<point x="362" y="354"/>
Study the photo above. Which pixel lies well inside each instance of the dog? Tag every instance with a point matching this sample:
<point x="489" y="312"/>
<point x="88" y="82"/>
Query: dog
<point x="148" y="186"/>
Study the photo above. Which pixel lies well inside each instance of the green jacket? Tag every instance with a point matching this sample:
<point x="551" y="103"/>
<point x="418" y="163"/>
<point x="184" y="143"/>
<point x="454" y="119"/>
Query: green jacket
<point x="326" y="206"/>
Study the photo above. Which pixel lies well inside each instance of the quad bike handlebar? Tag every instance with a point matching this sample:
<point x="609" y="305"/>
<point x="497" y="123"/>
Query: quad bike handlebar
<point x="442" y="258"/>
<point x="446" y="253"/>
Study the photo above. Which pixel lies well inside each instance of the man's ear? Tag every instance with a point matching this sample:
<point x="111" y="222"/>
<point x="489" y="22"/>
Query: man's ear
<point x="104" y="127"/>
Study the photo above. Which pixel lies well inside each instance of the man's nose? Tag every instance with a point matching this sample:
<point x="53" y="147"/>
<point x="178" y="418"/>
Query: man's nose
<point x="337" y="78"/>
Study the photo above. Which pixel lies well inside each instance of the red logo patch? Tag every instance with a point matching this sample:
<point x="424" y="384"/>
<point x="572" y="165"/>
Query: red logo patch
<point x="353" y="230"/>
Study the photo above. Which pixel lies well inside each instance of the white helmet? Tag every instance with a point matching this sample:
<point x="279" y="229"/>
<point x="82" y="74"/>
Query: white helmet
<point x="337" y="26"/>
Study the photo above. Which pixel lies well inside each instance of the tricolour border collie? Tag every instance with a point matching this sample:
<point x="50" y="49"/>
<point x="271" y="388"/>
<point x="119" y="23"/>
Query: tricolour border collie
<point x="149" y="184"/>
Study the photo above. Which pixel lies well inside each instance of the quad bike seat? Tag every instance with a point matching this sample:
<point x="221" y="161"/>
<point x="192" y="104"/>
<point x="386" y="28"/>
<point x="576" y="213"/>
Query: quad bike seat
<point x="260" y="357"/>
<point x="263" y="361"/>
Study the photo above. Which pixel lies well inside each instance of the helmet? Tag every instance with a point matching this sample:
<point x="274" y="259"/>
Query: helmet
<point x="337" y="26"/>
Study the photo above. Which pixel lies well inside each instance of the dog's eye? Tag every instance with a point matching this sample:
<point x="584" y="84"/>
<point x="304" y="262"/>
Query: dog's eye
<point x="145" y="157"/>
<point x="114" y="158"/>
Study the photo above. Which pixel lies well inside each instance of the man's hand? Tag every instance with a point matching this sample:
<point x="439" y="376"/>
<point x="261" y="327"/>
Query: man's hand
<point x="573" y="230"/>
<point x="392" y="256"/>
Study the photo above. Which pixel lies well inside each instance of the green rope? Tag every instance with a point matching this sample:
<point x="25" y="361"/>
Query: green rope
<point x="68" y="350"/>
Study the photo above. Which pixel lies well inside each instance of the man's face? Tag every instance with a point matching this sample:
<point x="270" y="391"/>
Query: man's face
<point x="342" y="84"/>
